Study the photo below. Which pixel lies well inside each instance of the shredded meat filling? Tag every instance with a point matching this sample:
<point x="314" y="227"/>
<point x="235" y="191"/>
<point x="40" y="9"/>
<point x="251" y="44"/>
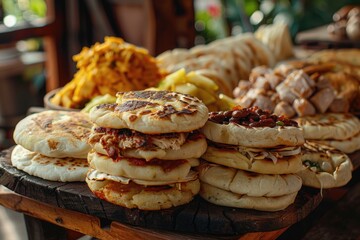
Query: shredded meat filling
<point x="116" y="140"/>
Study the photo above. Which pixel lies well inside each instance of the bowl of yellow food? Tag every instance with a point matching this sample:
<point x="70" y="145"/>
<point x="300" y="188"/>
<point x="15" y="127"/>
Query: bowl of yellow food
<point x="106" y="68"/>
<point x="49" y="104"/>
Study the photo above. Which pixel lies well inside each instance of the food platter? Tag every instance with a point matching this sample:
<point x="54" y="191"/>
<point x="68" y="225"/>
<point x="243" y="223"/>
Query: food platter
<point x="197" y="217"/>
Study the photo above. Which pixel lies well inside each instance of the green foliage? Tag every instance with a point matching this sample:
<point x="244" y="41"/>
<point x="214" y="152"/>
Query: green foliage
<point x="299" y="14"/>
<point x="10" y="7"/>
<point x="210" y="23"/>
<point x="24" y="10"/>
<point x="38" y="7"/>
<point x="250" y="6"/>
<point x="207" y="32"/>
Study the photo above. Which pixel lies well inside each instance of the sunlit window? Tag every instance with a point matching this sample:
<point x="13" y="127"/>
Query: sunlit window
<point x="19" y="12"/>
<point x="14" y="12"/>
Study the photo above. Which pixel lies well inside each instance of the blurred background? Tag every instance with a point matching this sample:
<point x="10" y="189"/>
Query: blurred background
<point x="39" y="37"/>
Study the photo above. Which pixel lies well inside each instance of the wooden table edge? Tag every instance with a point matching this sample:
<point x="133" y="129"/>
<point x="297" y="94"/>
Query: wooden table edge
<point x="90" y="225"/>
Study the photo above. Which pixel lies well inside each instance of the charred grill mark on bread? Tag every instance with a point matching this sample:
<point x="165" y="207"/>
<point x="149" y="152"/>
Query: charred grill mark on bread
<point x="327" y="120"/>
<point x="107" y="106"/>
<point x="143" y="101"/>
<point x="76" y="163"/>
<point x="145" y="112"/>
<point x="53" y="144"/>
<point x="78" y="127"/>
<point x="152" y="95"/>
<point x="66" y="161"/>
<point x="133" y="118"/>
<point x="134" y="105"/>
<point x="313" y="147"/>
<point x="169" y="110"/>
<point x="44" y="123"/>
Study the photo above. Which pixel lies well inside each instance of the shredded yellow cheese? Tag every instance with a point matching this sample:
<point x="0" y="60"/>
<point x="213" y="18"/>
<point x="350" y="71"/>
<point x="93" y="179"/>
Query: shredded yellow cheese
<point x="107" y="68"/>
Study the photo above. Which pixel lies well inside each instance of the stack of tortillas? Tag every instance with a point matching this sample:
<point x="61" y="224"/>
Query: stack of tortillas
<point x="230" y="59"/>
<point x="277" y="37"/>
<point x="53" y="145"/>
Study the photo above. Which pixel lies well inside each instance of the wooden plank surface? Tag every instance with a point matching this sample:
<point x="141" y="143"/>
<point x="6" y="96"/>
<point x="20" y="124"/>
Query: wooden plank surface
<point x="196" y="218"/>
<point x="341" y="213"/>
<point x="339" y="206"/>
<point x="91" y="225"/>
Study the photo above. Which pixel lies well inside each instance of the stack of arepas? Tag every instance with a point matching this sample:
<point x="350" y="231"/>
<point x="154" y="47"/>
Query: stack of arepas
<point x="144" y="148"/>
<point x="52" y="145"/>
<point x="251" y="160"/>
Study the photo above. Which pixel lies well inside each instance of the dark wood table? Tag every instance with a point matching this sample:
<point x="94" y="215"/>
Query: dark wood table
<point x="72" y="206"/>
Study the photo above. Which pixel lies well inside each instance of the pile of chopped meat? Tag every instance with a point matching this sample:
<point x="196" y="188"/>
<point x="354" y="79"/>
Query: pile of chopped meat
<point x="292" y="89"/>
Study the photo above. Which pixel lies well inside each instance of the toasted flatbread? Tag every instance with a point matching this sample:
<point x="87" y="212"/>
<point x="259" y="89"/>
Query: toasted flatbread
<point x="349" y="145"/>
<point x="277" y="37"/>
<point x="240" y="160"/>
<point x="55" y="133"/>
<point x="127" y="143"/>
<point x="260" y="53"/>
<point x="329" y="126"/>
<point x="253" y="137"/>
<point x="226" y="198"/>
<point x="232" y="58"/>
<point x="152" y="112"/>
<point x="97" y="175"/>
<point x="225" y="66"/>
<point x="263" y="54"/>
<point x="171" y="57"/>
<point x="350" y="56"/>
<point x="154" y="170"/>
<point x="249" y="183"/>
<point x="326" y="167"/>
<point x="133" y="195"/>
<point x="219" y="78"/>
<point x="50" y="168"/>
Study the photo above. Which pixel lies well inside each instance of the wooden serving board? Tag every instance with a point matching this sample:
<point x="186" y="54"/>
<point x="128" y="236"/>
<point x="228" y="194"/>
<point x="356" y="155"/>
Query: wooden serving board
<point x="197" y="217"/>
